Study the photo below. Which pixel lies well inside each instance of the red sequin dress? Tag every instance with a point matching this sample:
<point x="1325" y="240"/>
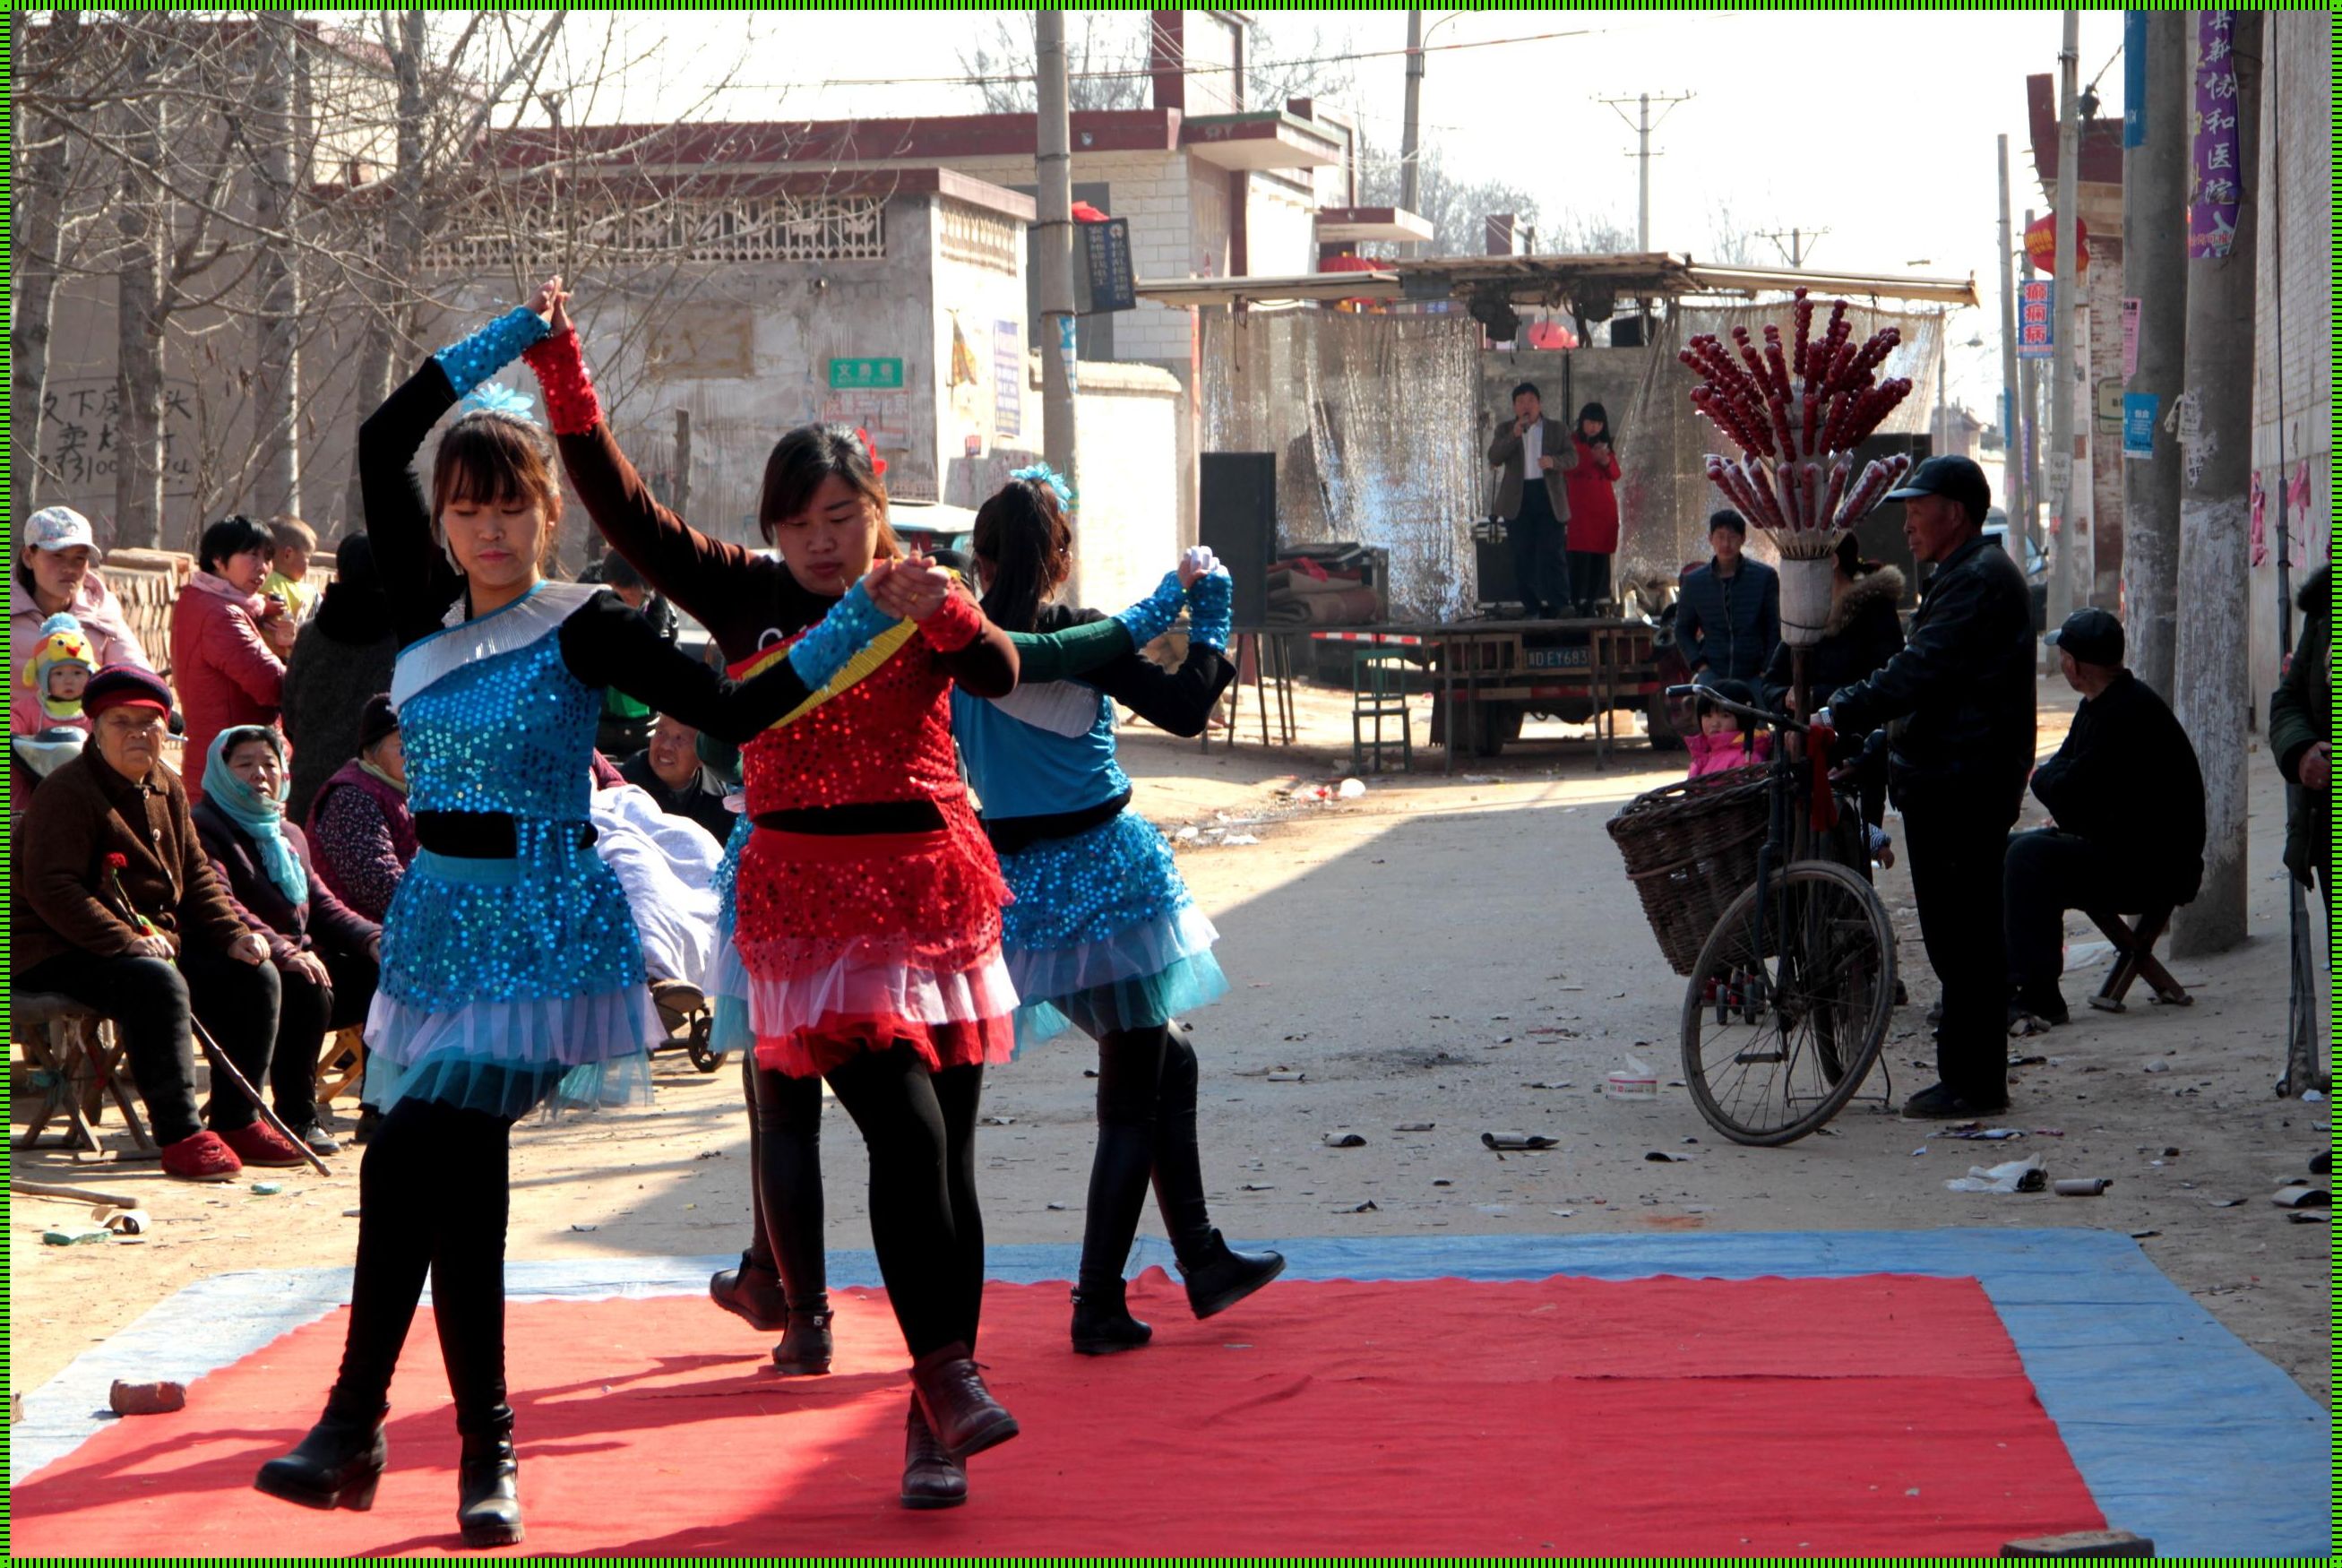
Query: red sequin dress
<point x="857" y="940"/>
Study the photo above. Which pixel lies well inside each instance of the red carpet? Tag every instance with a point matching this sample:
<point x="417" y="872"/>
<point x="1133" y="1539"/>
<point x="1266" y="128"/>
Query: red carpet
<point x="1881" y="1414"/>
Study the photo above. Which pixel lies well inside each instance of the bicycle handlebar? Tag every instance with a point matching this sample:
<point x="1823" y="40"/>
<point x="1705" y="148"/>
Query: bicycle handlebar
<point x="1740" y="710"/>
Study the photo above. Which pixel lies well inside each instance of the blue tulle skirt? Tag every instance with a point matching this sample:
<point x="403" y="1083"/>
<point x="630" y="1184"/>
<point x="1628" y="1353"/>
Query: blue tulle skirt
<point x="1104" y="934"/>
<point x="510" y="985"/>
<point x="728" y="1029"/>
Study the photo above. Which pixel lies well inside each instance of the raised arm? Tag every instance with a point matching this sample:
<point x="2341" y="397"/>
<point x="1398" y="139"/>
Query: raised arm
<point x="712" y="580"/>
<point x="416" y="574"/>
<point x="1181" y="700"/>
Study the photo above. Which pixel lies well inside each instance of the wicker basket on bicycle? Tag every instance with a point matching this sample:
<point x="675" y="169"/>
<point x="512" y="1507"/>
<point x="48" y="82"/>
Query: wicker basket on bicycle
<point x="1690" y="848"/>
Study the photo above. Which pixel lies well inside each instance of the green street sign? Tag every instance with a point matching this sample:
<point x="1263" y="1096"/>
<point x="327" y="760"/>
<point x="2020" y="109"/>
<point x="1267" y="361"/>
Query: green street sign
<point x="859" y="375"/>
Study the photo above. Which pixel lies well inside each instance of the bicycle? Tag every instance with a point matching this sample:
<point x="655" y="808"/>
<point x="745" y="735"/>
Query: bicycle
<point x="1791" y="995"/>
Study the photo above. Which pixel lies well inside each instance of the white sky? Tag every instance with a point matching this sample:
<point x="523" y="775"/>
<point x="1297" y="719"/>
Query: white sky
<point x="1878" y="125"/>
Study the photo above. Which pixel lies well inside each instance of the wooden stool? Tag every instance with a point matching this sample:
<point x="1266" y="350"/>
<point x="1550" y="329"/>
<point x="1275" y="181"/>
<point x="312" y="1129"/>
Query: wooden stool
<point x="341" y="1065"/>
<point x="76" y="1063"/>
<point x="2135" y="959"/>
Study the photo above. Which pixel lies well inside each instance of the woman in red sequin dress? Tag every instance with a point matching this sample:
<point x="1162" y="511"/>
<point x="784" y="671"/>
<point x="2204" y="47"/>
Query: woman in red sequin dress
<point x="868" y="899"/>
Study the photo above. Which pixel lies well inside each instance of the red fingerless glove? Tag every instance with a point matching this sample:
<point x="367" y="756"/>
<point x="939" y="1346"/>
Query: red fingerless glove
<point x="955" y="626"/>
<point x="570" y="405"/>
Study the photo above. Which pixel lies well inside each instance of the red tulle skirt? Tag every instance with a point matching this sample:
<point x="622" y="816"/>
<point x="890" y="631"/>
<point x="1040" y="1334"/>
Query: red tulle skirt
<point x="855" y="942"/>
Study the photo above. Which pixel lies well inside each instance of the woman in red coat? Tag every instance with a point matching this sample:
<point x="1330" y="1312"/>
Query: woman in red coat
<point x="1592" y="529"/>
<point x="226" y="672"/>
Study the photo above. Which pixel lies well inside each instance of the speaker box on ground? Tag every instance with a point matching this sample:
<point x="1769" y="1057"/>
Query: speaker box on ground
<point x="1236" y="506"/>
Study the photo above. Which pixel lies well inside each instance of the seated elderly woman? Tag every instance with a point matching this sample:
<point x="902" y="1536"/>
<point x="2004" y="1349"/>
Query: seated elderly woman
<point x="228" y="672"/>
<point x="359" y="825"/>
<point x="327" y="955"/>
<point x="115" y="905"/>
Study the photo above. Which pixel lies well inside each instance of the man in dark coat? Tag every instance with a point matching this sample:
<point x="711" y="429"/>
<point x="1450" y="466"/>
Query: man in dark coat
<point x="116" y="906"/>
<point x="2301" y="734"/>
<point x="1957" y="765"/>
<point x="1533" y="456"/>
<point x="1728" y="616"/>
<point x="669" y="768"/>
<point x="2126" y="796"/>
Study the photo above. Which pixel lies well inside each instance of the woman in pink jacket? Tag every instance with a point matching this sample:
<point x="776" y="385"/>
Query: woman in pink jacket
<point x="224" y="670"/>
<point x="56" y="560"/>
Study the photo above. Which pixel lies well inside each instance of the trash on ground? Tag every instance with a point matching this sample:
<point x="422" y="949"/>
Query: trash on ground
<point x="1189" y="834"/>
<point x="1282" y="1076"/>
<point x="130" y="1222"/>
<point x="2157" y="1066"/>
<point x="1635" y="1081"/>
<point x="147" y="1398"/>
<point x="1000" y="1121"/>
<point x="2082" y="1543"/>
<point x="2049" y="1132"/>
<point x="2311" y="1094"/>
<point x="1058" y="1207"/>
<point x="1238" y="839"/>
<point x="2015" y="1177"/>
<point x="1977" y="1130"/>
<point x="1351" y="789"/>
<point x="1561" y="1214"/>
<point x="579" y="1228"/>
<point x="1344" y="1141"/>
<point x="2029" y="1061"/>
<point x="2081" y="1186"/>
<point x="1497" y="1209"/>
<point x="2142" y="1235"/>
<point x="709" y="1154"/>
<point x="76" y="1235"/>
<point x="1919" y="1151"/>
<point x="2308" y="1216"/>
<point x="353" y="1213"/>
<point x="1517" y="1141"/>
<point x="1366" y="1208"/>
<point x="1542" y="1083"/>
<point x="2301" y="1195"/>
<point x="1248" y="1186"/>
<point x="1666" y="1157"/>
<point x="1412" y="1127"/>
<point x="2087" y="955"/>
<point x="1482" y="778"/>
<point x="267" y="1188"/>
<point x="2226" y="1203"/>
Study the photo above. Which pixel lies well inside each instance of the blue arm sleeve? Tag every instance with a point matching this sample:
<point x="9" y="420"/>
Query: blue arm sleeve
<point x="490" y="349"/>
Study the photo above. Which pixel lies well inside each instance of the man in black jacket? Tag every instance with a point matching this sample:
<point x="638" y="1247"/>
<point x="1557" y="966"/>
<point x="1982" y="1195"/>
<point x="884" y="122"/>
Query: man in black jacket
<point x="669" y="768"/>
<point x="1962" y="689"/>
<point x="2128" y="797"/>
<point x="1729" y="613"/>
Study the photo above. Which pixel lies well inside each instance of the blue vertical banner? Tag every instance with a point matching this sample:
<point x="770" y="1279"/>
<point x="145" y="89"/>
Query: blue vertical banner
<point x="2133" y="79"/>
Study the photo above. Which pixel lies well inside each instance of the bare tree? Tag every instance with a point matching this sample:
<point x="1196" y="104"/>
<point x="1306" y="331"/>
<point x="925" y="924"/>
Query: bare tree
<point x="1106" y="73"/>
<point x="45" y="153"/>
<point x="1731" y="239"/>
<point x="276" y="381"/>
<point x="1458" y="209"/>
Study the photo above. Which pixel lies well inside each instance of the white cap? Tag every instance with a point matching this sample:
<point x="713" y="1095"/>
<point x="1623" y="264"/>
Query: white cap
<point x="60" y="528"/>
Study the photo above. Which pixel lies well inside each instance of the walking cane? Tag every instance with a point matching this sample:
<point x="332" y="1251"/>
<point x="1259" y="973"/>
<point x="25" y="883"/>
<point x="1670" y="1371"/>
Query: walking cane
<point x="220" y="1063"/>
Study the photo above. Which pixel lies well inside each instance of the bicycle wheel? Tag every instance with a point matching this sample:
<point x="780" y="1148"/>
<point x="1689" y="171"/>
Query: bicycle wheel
<point x="1812" y="988"/>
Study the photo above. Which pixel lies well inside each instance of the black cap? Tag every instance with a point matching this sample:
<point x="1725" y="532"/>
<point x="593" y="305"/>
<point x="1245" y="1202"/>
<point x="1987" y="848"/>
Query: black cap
<point x="1955" y="478"/>
<point x="2092" y="636"/>
<point x="379" y="719"/>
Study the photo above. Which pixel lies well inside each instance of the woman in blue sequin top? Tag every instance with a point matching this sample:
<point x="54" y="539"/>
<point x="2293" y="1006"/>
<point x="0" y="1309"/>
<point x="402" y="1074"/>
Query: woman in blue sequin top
<point x="1104" y="934"/>
<point x="511" y="976"/>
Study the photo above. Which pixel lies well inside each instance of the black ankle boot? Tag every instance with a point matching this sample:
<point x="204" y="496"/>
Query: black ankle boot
<point x="751" y="1292"/>
<point x="804" y="1348"/>
<point x="1102" y="1321"/>
<point x="1219" y="1276"/>
<point x="487" y="1483"/>
<point x="960" y="1411"/>
<point x="930" y="1478"/>
<point x="337" y="1465"/>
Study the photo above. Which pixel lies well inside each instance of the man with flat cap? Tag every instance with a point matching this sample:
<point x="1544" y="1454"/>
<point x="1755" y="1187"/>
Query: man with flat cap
<point x="2126" y="794"/>
<point x="1960" y="698"/>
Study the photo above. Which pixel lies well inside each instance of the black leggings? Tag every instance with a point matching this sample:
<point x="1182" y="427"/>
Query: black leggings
<point x="433" y="1196"/>
<point x="920" y="1129"/>
<point x="1147" y="1130"/>
<point x="785" y="1154"/>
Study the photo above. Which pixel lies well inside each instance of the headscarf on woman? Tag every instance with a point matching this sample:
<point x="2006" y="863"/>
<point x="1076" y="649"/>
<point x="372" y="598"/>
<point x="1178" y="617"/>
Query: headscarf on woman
<point x="261" y="817"/>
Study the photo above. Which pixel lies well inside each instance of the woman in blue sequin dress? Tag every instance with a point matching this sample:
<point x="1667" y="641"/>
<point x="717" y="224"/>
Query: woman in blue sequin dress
<point x="1104" y="935"/>
<point x="511" y="977"/>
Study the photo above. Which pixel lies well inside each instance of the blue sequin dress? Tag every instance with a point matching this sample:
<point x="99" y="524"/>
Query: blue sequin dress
<point x="728" y="1029"/>
<point x="1104" y="934"/>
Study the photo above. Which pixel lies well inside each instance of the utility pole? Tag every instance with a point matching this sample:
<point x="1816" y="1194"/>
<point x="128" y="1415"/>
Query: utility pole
<point x="2155" y="274"/>
<point x="2012" y="417"/>
<point x="1410" y="148"/>
<point x="1053" y="170"/>
<point x="1800" y="244"/>
<point x="2028" y="386"/>
<point x="2213" y="670"/>
<point x="2064" y="559"/>
<point x="1642" y="123"/>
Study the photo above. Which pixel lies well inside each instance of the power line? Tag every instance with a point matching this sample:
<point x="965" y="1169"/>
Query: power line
<point x="1194" y="70"/>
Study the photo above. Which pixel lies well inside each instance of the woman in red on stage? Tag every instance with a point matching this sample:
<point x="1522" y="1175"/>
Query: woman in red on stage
<point x="868" y="905"/>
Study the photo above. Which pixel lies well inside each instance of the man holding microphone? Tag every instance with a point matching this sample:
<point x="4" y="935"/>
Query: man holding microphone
<point x="1533" y="447"/>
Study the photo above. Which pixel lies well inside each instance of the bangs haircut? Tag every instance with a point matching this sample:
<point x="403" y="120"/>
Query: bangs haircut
<point x="493" y="459"/>
<point x="801" y="462"/>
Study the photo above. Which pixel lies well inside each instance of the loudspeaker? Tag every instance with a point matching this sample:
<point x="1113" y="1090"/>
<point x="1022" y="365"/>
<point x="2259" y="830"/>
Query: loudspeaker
<point x="1236" y="507"/>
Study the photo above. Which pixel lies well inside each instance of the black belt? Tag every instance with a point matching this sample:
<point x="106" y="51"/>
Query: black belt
<point x="856" y="817"/>
<point x="480" y="835"/>
<point x="1015" y="833"/>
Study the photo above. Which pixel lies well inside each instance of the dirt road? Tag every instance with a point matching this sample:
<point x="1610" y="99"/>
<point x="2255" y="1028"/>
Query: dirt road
<point x="1466" y="953"/>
